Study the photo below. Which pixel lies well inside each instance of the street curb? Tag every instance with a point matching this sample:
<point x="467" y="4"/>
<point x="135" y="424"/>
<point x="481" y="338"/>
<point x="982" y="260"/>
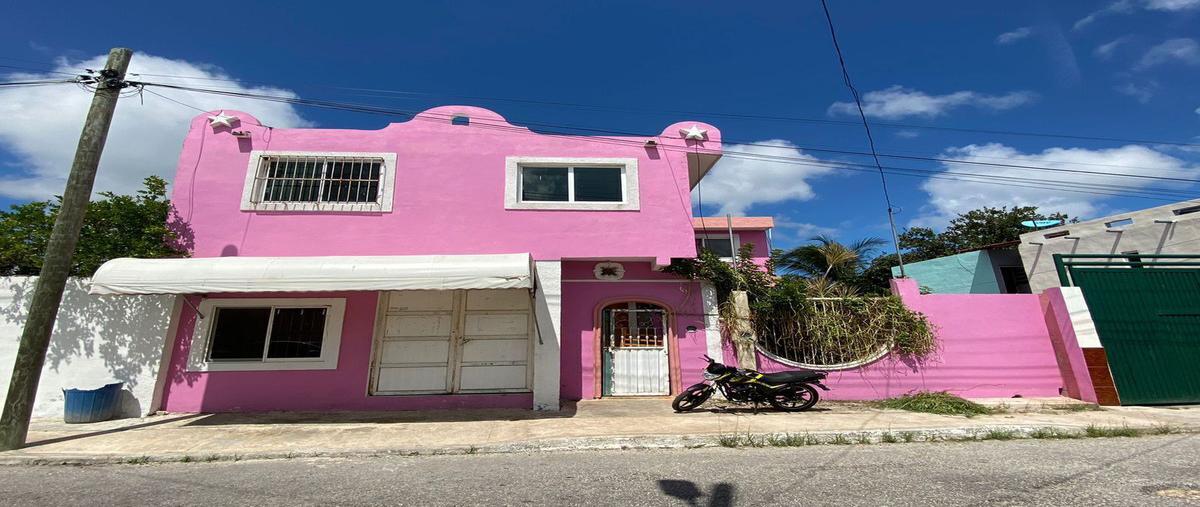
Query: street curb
<point x="865" y="437"/>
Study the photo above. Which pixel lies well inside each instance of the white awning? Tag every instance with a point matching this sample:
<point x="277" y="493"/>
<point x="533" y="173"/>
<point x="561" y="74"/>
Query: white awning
<point x="305" y="274"/>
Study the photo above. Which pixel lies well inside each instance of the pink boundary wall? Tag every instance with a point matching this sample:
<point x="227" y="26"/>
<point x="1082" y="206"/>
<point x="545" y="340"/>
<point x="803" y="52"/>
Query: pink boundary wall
<point x="990" y="345"/>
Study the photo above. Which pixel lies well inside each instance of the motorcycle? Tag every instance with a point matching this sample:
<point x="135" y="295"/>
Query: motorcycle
<point x="788" y="391"/>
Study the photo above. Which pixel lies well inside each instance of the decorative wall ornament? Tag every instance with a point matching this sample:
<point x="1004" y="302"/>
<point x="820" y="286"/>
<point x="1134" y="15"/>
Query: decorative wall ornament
<point x="609" y="271"/>
<point x="222" y="120"/>
<point x="694" y="133"/>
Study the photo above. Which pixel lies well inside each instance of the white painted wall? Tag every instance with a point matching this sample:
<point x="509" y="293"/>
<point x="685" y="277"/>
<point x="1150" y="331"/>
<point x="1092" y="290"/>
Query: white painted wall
<point x="1153" y="231"/>
<point x="97" y="340"/>
<point x="547" y="344"/>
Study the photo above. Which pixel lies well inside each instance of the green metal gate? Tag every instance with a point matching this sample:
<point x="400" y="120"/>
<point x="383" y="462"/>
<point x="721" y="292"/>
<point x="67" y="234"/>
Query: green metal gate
<point x="1147" y="313"/>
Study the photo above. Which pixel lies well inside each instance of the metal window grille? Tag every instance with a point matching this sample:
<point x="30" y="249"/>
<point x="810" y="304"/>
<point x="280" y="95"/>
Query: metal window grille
<point x="318" y="179"/>
<point x="640" y="328"/>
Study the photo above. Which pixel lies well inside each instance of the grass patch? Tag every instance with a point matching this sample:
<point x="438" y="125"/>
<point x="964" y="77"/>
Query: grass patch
<point x="1078" y="407"/>
<point x="1105" y="432"/>
<point x="888" y="438"/>
<point x="140" y="460"/>
<point x="742" y="440"/>
<point x="999" y="434"/>
<point x="941" y="403"/>
<point x="1053" y="434"/>
<point x="864" y="438"/>
<point x="792" y="440"/>
<point x="908" y="436"/>
<point x="1163" y="429"/>
<point x="839" y="439"/>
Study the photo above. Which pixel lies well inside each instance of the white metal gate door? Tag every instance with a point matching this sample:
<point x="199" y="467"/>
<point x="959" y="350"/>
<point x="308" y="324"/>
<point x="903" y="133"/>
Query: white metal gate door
<point x="637" y="343"/>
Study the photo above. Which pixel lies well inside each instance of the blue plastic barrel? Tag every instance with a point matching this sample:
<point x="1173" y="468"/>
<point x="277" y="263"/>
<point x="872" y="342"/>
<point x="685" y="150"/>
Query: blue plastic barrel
<point x="91" y="405"/>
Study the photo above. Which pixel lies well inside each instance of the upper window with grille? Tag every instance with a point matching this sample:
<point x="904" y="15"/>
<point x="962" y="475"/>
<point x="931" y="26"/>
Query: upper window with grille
<point x="319" y="181"/>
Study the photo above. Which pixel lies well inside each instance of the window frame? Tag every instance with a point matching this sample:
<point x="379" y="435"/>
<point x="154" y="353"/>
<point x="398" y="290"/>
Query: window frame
<point x="736" y="244"/>
<point x="383" y="203"/>
<point x="630" y="199"/>
<point x="198" y="354"/>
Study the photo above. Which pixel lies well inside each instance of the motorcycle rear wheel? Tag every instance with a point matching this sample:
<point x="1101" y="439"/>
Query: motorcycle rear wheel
<point x="795" y="398"/>
<point x="692" y="397"/>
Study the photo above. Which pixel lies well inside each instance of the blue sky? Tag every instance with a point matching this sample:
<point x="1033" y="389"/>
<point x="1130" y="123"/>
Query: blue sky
<point x="1124" y="69"/>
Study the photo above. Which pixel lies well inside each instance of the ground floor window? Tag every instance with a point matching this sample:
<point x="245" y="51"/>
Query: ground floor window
<point x="266" y="334"/>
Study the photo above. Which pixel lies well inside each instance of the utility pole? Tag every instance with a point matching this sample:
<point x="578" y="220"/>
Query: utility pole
<point x="47" y="295"/>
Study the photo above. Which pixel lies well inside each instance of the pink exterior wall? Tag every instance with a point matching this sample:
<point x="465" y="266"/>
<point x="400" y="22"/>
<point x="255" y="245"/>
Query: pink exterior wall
<point x="582" y="295"/>
<point x="344" y="388"/>
<point x="990" y="345"/>
<point x="449" y="194"/>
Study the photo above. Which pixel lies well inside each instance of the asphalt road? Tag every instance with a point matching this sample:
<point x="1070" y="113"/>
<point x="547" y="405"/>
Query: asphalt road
<point x="1114" y="471"/>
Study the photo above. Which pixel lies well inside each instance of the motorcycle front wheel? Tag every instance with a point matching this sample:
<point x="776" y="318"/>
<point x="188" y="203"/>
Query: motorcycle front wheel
<point x="692" y="397"/>
<point x="794" y="398"/>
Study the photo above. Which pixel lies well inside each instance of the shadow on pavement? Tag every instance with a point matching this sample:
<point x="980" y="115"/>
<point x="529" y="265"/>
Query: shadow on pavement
<point x="120" y="429"/>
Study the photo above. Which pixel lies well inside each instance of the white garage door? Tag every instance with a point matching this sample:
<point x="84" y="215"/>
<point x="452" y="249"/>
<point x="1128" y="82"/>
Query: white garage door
<point x="468" y="341"/>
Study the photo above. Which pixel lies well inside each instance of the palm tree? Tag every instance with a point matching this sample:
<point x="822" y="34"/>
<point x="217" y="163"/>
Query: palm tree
<point x="827" y="259"/>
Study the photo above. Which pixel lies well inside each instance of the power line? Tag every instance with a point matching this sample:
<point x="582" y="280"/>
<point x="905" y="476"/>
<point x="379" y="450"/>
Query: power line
<point x="870" y="139"/>
<point x="713" y="114"/>
<point x="1076" y="187"/>
<point x="384" y="111"/>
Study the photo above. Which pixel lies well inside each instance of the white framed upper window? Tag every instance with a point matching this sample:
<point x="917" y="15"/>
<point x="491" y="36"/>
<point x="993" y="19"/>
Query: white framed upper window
<point x="560" y="183"/>
<point x="719" y="244"/>
<point x="319" y="181"/>
<point x="244" y="334"/>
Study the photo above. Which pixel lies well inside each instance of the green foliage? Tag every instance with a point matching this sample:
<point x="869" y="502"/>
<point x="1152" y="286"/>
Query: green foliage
<point x="941" y="402"/>
<point x="822" y="323"/>
<point x="818" y="320"/>
<point x="140" y="225"/>
<point x="971" y="230"/>
<point x="827" y="258"/>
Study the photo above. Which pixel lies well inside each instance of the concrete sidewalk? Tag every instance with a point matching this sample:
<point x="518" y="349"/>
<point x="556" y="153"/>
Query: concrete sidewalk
<point x="593" y="424"/>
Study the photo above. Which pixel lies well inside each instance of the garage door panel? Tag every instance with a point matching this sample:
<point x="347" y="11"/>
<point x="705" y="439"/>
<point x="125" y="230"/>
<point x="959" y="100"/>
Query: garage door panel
<point x="476" y="378"/>
<point x="505" y="324"/>
<point x="430" y="378"/>
<point x="497" y="299"/>
<point x="476" y="351"/>
<point x="415" y="351"/>
<point x="420" y="301"/>
<point x="419" y="325"/>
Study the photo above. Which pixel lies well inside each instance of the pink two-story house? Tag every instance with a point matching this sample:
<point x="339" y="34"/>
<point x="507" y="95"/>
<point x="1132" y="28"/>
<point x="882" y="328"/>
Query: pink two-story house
<point x="453" y="260"/>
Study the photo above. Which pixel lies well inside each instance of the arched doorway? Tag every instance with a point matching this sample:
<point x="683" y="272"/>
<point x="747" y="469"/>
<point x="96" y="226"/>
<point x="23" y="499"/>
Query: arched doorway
<point x="634" y="341"/>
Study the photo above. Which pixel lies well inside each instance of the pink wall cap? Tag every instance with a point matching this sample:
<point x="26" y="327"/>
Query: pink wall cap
<point x="473" y="113"/>
<point x="739" y="223"/>
<point x="906" y="288"/>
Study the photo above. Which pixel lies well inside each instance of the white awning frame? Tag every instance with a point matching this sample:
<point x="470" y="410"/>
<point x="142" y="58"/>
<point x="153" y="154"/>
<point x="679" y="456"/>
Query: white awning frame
<point x="213" y="275"/>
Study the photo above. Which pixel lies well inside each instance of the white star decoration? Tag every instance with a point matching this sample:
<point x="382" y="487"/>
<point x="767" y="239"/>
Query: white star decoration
<point x="695" y="133"/>
<point x="222" y="120"/>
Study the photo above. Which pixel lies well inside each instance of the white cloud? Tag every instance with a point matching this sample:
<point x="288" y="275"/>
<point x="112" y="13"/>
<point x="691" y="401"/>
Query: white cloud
<point x="1143" y="92"/>
<point x="1014" y="36"/>
<point x="1128" y="7"/>
<point x="1105" y="51"/>
<point x="899" y="102"/>
<point x="1182" y="50"/>
<point x="1172" y="5"/>
<point x="1118" y="7"/>
<point x="740" y="180"/>
<point x="42" y="125"/>
<point x="789" y="232"/>
<point x="949" y="197"/>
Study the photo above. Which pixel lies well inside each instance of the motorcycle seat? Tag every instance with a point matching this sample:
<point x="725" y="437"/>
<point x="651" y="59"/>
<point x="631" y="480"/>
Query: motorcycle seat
<point x="786" y="377"/>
